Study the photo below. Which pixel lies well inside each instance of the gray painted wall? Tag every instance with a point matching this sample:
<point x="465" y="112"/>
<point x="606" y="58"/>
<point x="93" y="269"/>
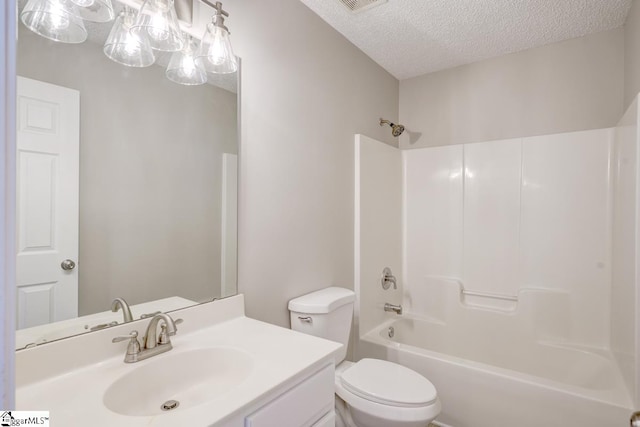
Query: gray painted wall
<point x="632" y="54"/>
<point x="305" y="92"/>
<point x="150" y="174"/>
<point x="568" y="86"/>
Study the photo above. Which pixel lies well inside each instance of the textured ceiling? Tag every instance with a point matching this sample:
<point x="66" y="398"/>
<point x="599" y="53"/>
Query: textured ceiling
<point x="413" y="37"/>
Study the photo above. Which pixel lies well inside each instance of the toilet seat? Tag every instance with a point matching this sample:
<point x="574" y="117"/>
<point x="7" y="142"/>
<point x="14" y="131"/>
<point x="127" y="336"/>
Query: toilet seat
<point x="389" y="405"/>
<point x="388" y="383"/>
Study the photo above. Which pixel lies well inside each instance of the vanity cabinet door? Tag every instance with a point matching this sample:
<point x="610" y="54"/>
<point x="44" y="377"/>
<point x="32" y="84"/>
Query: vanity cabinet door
<point x="305" y="405"/>
<point x="328" y="420"/>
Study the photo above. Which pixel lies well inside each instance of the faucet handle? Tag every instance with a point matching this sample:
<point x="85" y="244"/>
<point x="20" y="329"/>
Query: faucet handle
<point x="388" y="279"/>
<point x="133" y="349"/>
<point x="145" y="315"/>
<point x="133" y="335"/>
<point x="164" y="336"/>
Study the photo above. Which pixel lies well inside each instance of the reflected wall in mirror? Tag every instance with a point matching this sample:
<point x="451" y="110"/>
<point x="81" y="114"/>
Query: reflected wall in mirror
<point x="155" y="189"/>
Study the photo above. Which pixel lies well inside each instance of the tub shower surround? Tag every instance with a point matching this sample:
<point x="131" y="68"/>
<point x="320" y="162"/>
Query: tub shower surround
<point x="513" y="265"/>
<point x="503" y="216"/>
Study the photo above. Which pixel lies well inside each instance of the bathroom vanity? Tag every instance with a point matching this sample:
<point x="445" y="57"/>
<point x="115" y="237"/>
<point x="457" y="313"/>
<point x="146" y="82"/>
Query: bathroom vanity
<point x="224" y="370"/>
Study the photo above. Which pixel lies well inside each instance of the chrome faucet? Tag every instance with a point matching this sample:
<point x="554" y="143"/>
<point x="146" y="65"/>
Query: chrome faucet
<point x="392" y="307"/>
<point x="153" y="344"/>
<point x="126" y="311"/>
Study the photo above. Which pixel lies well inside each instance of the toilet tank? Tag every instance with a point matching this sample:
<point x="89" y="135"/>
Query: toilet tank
<point x="326" y="313"/>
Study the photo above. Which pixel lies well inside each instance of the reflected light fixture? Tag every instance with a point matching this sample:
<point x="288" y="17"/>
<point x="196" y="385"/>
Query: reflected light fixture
<point x="182" y="67"/>
<point x="157" y="19"/>
<point x="135" y="35"/>
<point x="125" y="47"/>
<point x="93" y="10"/>
<point x="55" y="20"/>
<point x="216" y="54"/>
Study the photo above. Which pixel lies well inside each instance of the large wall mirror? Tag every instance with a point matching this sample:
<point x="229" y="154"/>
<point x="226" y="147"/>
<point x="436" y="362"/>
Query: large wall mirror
<point x="142" y="208"/>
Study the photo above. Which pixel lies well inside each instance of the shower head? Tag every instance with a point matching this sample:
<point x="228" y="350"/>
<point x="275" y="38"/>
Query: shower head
<point x="396" y="130"/>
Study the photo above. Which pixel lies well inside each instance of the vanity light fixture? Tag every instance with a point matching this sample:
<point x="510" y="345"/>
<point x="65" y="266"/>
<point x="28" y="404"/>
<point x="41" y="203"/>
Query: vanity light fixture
<point x="134" y="35"/>
<point x="55" y="20"/>
<point x="182" y="67"/>
<point x="216" y="54"/>
<point x="125" y="47"/>
<point x="157" y="19"/>
<point x="94" y="10"/>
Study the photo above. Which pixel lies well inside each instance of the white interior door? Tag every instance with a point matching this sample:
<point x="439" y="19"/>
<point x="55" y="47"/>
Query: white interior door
<point x="48" y="128"/>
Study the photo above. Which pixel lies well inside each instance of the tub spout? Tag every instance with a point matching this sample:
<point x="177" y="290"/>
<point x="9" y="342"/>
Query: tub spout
<point x="392" y="307"/>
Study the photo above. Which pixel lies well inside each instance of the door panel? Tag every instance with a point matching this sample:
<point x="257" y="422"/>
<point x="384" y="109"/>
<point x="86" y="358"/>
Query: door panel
<point x="47" y="216"/>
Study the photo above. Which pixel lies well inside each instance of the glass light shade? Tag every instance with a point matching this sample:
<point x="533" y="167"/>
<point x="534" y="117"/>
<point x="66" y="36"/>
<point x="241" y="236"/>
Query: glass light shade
<point x="182" y="67"/>
<point x="93" y="10"/>
<point x="125" y="47"/>
<point x="54" y="20"/>
<point x="216" y="54"/>
<point x="157" y="19"/>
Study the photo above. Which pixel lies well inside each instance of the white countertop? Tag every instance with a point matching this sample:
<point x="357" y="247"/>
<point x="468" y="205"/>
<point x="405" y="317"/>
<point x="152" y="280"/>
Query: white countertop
<point x="73" y="391"/>
<point x="81" y="325"/>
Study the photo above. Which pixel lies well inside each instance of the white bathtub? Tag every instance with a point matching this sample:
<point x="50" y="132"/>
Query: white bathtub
<point x="486" y="379"/>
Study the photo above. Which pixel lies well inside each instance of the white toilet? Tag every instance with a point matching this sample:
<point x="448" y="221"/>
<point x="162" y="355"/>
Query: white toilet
<point x="371" y="392"/>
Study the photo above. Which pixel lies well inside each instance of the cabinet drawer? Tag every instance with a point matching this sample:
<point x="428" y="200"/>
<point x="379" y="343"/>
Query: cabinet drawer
<point x="301" y="406"/>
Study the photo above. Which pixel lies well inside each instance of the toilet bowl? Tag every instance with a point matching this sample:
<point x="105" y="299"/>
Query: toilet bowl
<point x="370" y="392"/>
<point x="377" y="393"/>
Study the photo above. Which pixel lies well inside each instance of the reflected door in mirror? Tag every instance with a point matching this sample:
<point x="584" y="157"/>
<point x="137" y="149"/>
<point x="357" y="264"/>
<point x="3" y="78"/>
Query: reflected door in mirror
<point x="47" y="193"/>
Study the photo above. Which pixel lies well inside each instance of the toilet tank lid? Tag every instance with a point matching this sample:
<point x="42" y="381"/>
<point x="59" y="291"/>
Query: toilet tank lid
<point x="322" y="301"/>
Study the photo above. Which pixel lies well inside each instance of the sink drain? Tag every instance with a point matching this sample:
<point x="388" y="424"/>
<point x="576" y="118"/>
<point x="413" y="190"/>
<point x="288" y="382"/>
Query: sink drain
<point x="169" y="405"/>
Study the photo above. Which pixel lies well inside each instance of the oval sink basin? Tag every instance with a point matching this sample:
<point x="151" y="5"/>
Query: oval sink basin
<point x="190" y="378"/>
